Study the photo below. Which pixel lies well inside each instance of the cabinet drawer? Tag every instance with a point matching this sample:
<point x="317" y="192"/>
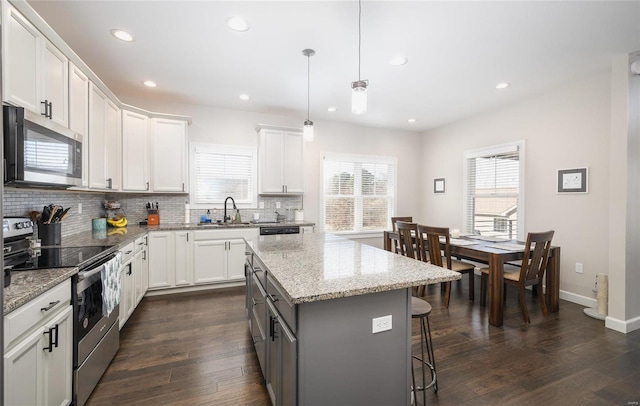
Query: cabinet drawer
<point x="128" y="251"/>
<point x="227" y="234"/>
<point x="140" y="243"/>
<point x="286" y="309"/>
<point x="31" y="314"/>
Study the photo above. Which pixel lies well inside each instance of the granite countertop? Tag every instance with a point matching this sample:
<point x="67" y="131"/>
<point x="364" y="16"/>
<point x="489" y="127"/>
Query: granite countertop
<point x="317" y="266"/>
<point x="26" y="285"/>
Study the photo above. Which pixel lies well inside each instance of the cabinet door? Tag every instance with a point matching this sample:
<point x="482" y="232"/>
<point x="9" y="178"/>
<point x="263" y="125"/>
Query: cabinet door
<point x="128" y="288"/>
<point x="161" y="259"/>
<point x="271" y="155"/>
<point x="235" y="259"/>
<point x="122" y="313"/>
<point x="184" y="257"/>
<point x="113" y="135"/>
<point x="79" y="114"/>
<point x="293" y="163"/>
<point x="55" y="83"/>
<point x="289" y="367"/>
<point x="21" y="60"/>
<point x="137" y="280"/>
<point x="58" y="364"/>
<point x="209" y="261"/>
<point x="23" y="373"/>
<point x="169" y="155"/>
<point x="307" y="229"/>
<point x="273" y="355"/>
<point x="135" y="151"/>
<point x="97" y="139"/>
<point x="145" y="269"/>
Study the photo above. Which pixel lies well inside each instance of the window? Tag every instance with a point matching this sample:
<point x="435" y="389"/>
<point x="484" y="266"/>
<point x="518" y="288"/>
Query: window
<point x="494" y="180"/>
<point x="358" y="193"/>
<point x="218" y="171"/>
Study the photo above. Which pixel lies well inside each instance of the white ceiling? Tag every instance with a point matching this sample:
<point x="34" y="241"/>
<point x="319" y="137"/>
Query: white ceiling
<point x="457" y="51"/>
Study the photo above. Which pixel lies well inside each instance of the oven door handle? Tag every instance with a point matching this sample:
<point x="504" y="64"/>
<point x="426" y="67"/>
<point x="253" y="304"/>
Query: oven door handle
<point x="90" y="273"/>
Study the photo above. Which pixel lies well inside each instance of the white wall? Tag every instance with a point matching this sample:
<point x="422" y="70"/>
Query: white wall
<point x="234" y="127"/>
<point x="566" y="128"/>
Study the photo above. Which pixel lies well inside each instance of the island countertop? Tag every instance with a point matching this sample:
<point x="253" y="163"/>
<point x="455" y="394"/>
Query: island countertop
<point x="320" y="266"/>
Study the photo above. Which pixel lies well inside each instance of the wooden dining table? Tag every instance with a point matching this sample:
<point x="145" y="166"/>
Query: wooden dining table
<point x="482" y="251"/>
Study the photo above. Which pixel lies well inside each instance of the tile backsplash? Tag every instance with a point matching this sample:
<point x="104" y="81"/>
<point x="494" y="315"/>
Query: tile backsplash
<point x="19" y="202"/>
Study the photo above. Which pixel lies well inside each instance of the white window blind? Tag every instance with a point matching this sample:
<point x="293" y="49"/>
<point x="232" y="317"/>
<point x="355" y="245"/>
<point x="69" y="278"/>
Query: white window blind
<point x="494" y="190"/>
<point x="358" y="193"/>
<point x="220" y="171"/>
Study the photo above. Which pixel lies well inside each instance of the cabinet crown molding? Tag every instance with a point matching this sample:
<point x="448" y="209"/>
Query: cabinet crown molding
<point x="260" y="127"/>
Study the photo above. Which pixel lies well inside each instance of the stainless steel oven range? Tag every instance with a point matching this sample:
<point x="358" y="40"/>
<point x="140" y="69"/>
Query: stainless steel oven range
<point x="96" y="337"/>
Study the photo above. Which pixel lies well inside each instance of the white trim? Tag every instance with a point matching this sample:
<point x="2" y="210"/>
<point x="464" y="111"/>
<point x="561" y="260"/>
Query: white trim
<point x="578" y="299"/>
<point x="358" y="235"/>
<point x="195" y="288"/>
<point x="377" y="159"/>
<point x="500" y="148"/>
<point x="243" y="150"/>
<point x="623" y="326"/>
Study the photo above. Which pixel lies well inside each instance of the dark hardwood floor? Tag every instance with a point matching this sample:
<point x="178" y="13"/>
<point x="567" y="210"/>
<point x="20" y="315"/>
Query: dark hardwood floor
<point x="195" y="349"/>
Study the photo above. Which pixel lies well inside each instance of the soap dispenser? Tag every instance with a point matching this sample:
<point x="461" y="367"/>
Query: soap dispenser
<point x="237" y="218"/>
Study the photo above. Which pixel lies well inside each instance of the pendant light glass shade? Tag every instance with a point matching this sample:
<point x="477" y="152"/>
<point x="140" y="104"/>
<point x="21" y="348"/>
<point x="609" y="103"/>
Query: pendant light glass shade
<point x="359" y="97"/>
<point x="307" y="132"/>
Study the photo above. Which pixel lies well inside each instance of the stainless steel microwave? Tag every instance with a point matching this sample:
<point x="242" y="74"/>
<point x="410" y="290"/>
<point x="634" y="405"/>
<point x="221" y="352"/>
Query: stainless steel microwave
<point x="39" y="154"/>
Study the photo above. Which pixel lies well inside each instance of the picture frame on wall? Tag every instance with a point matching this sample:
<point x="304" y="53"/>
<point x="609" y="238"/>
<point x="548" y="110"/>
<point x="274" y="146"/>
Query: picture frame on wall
<point x="439" y="185"/>
<point x="573" y="180"/>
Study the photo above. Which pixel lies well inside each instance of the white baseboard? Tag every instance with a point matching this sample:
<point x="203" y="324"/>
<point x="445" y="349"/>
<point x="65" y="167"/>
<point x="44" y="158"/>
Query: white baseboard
<point x="170" y="291"/>
<point x="578" y="299"/>
<point x="623" y="326"/>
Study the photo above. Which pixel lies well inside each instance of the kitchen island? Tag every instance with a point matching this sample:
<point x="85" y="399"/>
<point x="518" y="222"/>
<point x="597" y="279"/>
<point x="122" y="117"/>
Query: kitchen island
<point x="313" y="302"/>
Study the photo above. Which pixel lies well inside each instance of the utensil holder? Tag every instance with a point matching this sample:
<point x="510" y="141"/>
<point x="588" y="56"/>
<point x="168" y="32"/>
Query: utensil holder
<point x="153" y="217"/>
<point x="50" y="234"/>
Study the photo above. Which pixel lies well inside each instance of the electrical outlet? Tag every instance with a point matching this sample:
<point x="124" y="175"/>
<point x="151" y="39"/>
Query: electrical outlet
<point x="277" y="205"/>
<point x="380" y="324"/>
<point x="579" y="267"/>
<point x="262" y="205"/>
<point x="79" y="208"/>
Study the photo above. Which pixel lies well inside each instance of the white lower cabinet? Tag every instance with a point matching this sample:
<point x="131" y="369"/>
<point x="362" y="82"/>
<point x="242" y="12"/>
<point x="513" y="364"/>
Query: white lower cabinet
<point x="38" y="352"/>
<point x="134" y="277"/>
<point x="188" y="258"/>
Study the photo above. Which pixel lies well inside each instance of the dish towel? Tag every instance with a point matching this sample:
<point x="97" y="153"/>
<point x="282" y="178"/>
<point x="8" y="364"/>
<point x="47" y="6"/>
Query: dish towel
<point x="110" y="275"/>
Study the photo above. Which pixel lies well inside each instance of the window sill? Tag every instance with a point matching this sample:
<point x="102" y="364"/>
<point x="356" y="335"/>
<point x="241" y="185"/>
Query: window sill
<point x="359" y="234"/>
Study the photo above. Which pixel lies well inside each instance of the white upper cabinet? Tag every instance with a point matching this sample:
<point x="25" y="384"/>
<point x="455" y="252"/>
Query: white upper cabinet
<point x="104" y="141"/>
<point x="169" y="150"/>
<point x="55" y="84"/>
<point x="35" y="74"/>
<point x="135" y="151"/>
<point x="281" y="160"/>
<point x="79" y="114"/>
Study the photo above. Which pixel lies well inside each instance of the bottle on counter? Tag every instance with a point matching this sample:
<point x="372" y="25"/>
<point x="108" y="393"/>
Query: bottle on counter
<point x="187" y="213"/>
<point x="237" y="218"/>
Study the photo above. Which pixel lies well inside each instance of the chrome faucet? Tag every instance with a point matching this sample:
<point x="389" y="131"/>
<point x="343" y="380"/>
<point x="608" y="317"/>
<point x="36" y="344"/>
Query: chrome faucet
<point x="227" y="218"/>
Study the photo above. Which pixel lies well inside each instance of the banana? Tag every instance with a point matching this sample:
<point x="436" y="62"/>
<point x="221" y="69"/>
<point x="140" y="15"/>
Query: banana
<point x="121" y="222"/>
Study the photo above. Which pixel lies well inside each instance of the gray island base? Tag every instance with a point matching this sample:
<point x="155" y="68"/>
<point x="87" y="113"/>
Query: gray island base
<point x="313" y="303"/>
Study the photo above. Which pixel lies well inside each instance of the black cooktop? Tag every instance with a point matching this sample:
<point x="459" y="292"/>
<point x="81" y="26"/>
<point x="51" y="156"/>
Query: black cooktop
<point x="63" y="257"/>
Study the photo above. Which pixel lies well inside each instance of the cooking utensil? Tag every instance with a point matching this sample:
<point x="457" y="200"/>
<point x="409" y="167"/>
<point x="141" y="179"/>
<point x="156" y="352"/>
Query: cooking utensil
<point x="46" y="211"/>
<point x="60" y="215"/>
<point x="53" y="212"/>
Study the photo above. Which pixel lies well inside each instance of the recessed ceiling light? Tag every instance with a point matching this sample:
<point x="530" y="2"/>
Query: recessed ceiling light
<point x="122" y="35"/>
<point x="412" y="120"/>
<point x="244" y="96"/>
<point x="398" y="60"/>
<point x="237" y="24"/>
<point x="149" y="83"/>
<point x="503" y="85"/>
<point x="331" y="109"/>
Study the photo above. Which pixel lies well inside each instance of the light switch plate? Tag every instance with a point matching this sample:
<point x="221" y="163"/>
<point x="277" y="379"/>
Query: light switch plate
<point x="380" y="324"/>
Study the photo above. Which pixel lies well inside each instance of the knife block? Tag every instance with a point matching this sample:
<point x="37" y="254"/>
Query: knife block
<point x="153" y="217"/>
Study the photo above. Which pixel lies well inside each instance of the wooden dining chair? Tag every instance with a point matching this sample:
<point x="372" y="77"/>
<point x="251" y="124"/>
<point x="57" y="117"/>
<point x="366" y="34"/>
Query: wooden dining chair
<point x="534" y="264"/>
<point x="432" y="245"/>
<point x="394" y="220"/>
<point x="406" y="238"/>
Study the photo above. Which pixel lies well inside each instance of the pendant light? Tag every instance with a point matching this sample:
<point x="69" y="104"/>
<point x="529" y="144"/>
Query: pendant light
<point x="307" y="133"/>
<point x="359" y="87"/>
